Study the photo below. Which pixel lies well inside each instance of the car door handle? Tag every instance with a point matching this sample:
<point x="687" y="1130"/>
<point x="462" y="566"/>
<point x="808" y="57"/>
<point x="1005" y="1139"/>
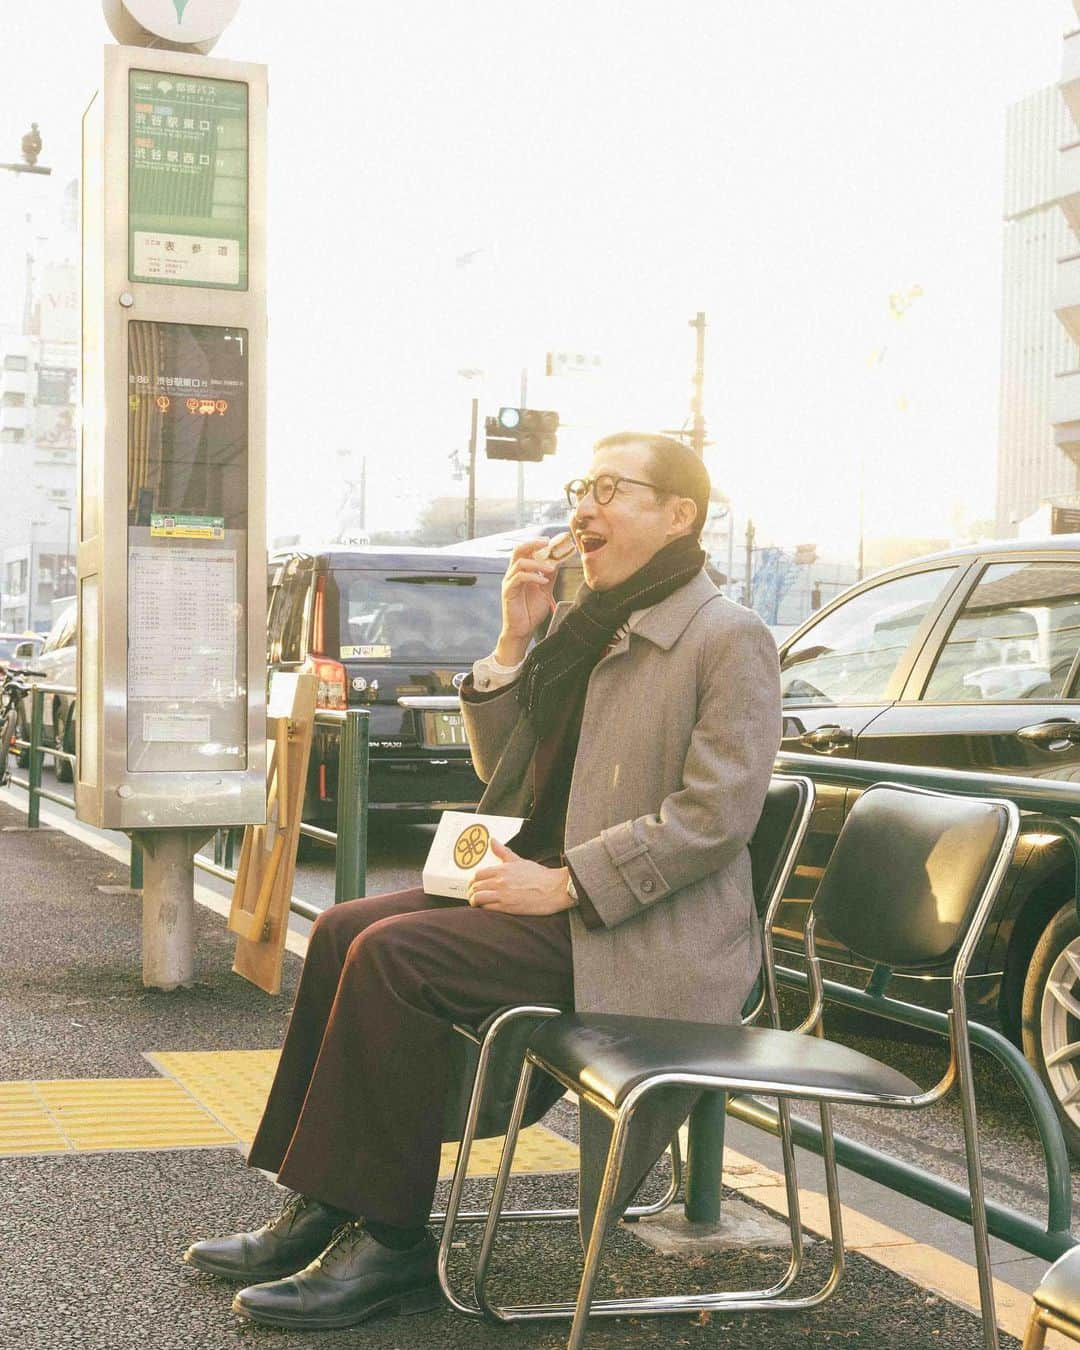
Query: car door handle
<point x="829" y="738"/>
<point x="1058" y="734"/>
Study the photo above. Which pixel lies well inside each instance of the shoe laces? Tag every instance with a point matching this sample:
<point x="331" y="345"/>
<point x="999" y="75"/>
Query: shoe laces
<point x="342" y="1240"/>
<point x="289" y="1211"/>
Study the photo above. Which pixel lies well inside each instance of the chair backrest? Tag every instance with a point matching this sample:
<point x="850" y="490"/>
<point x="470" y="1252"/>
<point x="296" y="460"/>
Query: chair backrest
<point x="908" y="870"/>
<point x="777" y="829"/>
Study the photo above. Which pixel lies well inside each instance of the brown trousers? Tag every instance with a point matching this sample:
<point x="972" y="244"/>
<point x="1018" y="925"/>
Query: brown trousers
<point x="355" y="1114"/>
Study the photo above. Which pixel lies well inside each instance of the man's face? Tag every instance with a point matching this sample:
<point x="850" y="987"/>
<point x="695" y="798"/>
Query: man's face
<point x="616" y="539"/>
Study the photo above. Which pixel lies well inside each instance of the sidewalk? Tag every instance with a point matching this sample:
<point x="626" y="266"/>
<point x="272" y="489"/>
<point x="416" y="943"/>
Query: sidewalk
<point x="124" y="1113"/>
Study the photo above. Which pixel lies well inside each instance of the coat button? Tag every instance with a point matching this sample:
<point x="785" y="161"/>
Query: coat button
<point x="648" y="886"/>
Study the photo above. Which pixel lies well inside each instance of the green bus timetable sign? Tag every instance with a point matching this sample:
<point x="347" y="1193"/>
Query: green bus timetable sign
<point x="187" y="181"/>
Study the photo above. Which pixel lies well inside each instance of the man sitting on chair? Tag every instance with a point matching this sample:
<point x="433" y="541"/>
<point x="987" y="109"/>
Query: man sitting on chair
<point x="636" y="741"/>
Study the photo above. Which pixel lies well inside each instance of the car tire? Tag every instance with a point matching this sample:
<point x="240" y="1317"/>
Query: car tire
<point x="1050" y="1017"/>
<point x="65" y="740"/>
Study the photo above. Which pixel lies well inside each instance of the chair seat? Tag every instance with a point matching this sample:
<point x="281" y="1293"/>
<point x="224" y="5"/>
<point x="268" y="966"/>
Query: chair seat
<point x="1060" y="1287"/>
<point x="609" y="1055"/>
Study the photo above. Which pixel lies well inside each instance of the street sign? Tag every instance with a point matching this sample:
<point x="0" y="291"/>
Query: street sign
<point x="188" y="178"/>
<point x="571" y="363"/>
<point x="186" y="22"/>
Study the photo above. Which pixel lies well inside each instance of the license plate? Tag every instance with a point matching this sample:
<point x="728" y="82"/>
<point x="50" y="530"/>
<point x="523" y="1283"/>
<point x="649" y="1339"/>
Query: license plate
<point x="444" y="728"/>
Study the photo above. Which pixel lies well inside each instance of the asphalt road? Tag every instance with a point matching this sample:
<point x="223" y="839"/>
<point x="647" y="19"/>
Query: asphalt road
<point x="932" y="1139"/>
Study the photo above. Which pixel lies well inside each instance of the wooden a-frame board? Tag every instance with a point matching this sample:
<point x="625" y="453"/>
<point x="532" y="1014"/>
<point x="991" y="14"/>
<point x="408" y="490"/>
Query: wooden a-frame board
<point x="264" y="876"/>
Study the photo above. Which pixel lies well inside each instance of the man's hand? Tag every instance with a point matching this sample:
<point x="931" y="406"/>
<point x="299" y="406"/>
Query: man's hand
<point x="518" y="886"/>
<point x="526" y="592"/>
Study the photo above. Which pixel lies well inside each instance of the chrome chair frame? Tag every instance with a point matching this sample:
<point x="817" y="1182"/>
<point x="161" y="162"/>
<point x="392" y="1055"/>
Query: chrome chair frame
<point x="958" y="1072"/>
<point x="453" y="1214"/>
<point x="1047" y="1312"/>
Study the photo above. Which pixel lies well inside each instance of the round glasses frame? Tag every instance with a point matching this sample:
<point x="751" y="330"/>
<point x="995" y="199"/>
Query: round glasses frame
<point x="603" y="487"/>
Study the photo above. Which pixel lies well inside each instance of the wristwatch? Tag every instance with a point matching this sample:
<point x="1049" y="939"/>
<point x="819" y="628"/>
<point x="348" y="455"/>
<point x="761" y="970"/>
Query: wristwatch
<point x="571" y="889"/>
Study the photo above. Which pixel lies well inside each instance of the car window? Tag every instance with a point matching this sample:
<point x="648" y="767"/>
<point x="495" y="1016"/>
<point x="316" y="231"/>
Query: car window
<point x="851" y="654"/>
<point x="442" y="618"/>
<point x="1016" y="637"/>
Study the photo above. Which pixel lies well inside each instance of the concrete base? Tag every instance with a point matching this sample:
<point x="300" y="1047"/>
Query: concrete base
<point x="168" y="905"/>
<point x="740" y="1226"/>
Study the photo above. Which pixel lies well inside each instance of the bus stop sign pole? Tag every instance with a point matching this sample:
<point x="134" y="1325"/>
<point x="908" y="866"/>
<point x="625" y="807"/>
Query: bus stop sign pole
<point x="172" y="522"/>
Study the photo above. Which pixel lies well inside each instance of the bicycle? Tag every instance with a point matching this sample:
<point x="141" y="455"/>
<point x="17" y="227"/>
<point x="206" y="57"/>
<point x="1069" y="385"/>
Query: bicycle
<point x="12" y="693"/>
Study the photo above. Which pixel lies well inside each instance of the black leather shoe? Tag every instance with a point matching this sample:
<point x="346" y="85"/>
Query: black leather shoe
<point x="354" y="1278"/>
<point x="283" y="1245"/>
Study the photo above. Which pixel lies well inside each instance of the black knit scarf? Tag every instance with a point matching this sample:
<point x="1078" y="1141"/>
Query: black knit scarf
<point x="558" y="669"/>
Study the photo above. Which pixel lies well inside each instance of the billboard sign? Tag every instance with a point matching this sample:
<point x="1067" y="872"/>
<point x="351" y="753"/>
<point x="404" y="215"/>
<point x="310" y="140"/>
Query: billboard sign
<point x="56" y="385"/>
<point x="54" y="426"/>
<point x="59" y="303"/>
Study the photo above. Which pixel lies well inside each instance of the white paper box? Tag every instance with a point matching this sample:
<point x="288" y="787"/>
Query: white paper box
<point x="462" y="843"/>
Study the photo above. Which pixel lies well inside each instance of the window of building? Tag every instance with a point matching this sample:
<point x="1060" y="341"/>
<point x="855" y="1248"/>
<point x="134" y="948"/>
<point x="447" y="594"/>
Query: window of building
<point x="12" y="435"/>
<point x="13" y="362"/>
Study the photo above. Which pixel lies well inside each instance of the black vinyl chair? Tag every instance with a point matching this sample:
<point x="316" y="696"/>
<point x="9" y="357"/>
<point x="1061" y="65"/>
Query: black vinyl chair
<point x="488" y="1058"/>
<point x="911" y="883"/>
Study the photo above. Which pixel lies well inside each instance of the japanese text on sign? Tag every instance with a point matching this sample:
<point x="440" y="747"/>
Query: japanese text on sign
<point x="187" y="181"/>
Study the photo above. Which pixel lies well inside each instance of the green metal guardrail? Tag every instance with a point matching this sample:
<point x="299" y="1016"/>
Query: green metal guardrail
<point x="1056" y="801"/>
<point x="350" y="838"/>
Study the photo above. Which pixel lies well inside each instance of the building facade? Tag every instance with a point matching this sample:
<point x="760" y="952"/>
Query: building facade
<point x="39" y="357"/>
<point x="1035" y="348"/>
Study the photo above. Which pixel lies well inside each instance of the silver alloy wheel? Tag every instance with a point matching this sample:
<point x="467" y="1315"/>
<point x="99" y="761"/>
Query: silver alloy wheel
<point x="1059" y="1029"/>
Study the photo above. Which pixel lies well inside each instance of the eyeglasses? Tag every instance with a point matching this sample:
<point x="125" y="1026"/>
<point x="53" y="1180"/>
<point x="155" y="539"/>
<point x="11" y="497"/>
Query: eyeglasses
<point x="602" y="488"/>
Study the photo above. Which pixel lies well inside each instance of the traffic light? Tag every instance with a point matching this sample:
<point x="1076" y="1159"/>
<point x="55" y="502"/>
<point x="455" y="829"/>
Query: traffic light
<point x="521" y="433"/>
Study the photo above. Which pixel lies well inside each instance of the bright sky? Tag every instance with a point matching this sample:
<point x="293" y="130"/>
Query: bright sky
<point x="616" y="166"/>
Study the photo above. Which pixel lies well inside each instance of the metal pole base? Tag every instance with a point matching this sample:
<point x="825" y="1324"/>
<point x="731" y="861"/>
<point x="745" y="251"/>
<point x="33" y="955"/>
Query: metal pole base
<point x="169" y="906"/>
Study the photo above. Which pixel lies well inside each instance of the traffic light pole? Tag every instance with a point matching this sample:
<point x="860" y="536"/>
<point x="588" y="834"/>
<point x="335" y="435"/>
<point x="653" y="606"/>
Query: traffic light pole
<point x="470" y="507"/>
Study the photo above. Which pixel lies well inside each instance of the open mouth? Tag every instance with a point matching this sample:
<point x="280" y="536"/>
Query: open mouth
<point x="589" y="543"/>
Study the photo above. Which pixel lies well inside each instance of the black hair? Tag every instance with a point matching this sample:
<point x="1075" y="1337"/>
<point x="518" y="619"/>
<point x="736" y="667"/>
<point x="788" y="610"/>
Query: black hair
<point x="674" y="468"/>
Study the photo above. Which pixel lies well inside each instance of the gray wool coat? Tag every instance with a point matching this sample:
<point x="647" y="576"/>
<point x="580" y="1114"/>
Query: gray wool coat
<point x="679" y="733"/>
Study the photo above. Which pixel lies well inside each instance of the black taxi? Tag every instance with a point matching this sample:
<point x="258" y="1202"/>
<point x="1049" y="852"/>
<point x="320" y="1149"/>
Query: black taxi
<point x="396" y="631"/>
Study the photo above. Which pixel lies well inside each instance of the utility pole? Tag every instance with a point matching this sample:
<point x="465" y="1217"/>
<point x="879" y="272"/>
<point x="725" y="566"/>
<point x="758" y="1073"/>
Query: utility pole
<point x="748" y="597"/>
<point x="470" y="506"/>
<point x="697" y="402"/>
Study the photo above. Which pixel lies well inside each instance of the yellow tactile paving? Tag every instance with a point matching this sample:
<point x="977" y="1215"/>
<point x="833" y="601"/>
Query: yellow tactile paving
<point x="203" y="1099"/>
<point x="129" y="1113"/>
<point x="25" y="1123"/>
<point x="538" y="1150"/>
<point x="233" y="1085"/>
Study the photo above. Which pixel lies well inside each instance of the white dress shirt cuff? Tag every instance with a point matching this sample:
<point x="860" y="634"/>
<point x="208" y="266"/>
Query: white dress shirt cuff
<point x="489" y="674"/>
